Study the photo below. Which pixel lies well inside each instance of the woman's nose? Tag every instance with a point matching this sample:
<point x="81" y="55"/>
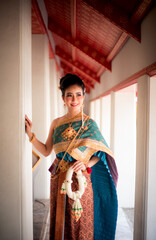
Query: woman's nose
<point x="73" y="98"/>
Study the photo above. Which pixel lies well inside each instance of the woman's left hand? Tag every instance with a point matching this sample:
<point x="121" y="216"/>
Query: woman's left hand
<point x="78" y="165"/>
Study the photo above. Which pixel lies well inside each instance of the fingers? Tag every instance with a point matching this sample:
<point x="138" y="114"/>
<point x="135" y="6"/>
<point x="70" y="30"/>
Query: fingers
<point x="28" y="125"/>
<point x="27" y="121"/>
<point x="78" y="165"/>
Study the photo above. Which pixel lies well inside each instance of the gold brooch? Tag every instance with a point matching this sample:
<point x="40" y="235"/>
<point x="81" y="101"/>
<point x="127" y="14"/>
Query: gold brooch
<point x="69" y="133"/>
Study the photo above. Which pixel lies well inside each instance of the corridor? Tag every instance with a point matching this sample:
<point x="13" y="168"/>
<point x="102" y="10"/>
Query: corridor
<point x="111" y="46"/>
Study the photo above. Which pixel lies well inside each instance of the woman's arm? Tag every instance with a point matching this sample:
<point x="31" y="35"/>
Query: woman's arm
<point x="78" y="165"/>
<point x="44" y="149"/>
<point x="93" y="161"/>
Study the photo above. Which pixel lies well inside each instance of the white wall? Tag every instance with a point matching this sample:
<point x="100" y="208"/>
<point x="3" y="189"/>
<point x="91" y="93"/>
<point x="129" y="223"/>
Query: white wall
<point x="15" y="101"/>
<point x="125" y="144"/>
<point x="133" y="57"/>
<point x="151" y="194"/>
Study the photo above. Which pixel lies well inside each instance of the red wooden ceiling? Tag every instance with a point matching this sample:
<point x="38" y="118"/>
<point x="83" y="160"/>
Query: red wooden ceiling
<point x="88" y="34"/>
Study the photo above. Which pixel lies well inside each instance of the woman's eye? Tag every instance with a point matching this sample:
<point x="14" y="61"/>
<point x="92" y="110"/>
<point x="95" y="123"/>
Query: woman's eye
<point x="79" y="94"/>
<point x="69" y="95"/>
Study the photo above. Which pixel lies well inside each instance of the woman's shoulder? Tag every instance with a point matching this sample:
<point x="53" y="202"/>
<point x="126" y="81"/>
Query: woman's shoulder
<point x="91" y="120"/>
<point x="58" y="121"/>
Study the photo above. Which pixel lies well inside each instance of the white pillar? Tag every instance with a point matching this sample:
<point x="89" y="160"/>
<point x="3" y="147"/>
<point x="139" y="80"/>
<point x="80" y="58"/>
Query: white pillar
<point x="141" y="158"/>
<point x="53" y="89"/>
<point x="106" y="117"/>
<point x="91" y="109"/>
<point x="15" y="100"/>
<point x="53" y="99"/>
<point x="41" y="108"/>
<point x="125" y="144"/>
<point x="112" y="121"/>
<point x="151" y="178"/>
<point x="97" y="112"/>
<point x="61" y="110"/>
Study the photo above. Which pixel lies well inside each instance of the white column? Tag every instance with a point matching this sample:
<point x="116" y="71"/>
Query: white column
<point x="151" y="178"/>
<point x="97" y="112"/>
<point x="15" y="100"/>
<point x="61" y="110"/>
<point x="125" y="144"/>
<point x="53" y="99"/>
<point x="53" y="89"/>
<point x="106" y="117"/>
<point x="112" y="121"/>
<point x="41" y="108"/>
<point x="91" y="109"/>
<point x="141" y="158"/>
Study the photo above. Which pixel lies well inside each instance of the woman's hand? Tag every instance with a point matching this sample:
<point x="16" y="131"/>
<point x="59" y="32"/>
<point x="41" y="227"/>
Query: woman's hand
<point x="28" y="126"/>
<point x="78" y="165"/>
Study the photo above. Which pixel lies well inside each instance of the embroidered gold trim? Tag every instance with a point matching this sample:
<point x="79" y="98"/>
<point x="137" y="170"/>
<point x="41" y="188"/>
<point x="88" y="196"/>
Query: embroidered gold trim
<point x="93" y="146"/>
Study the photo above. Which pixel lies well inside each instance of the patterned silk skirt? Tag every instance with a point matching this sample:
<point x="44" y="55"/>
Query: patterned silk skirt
<point x="62" y="221"/>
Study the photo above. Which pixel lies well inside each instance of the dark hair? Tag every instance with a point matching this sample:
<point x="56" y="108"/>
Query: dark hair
<point x="69" y="80"/>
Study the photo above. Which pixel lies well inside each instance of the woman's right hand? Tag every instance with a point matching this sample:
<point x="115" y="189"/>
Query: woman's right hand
<point x="28" y="126"/>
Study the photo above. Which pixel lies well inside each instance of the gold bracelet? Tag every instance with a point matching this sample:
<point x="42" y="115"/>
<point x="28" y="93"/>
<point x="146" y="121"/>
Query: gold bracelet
<point x="32" y="138"/>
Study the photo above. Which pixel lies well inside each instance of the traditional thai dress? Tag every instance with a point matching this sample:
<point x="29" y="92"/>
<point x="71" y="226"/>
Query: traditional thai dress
<point x="99" y="201"/>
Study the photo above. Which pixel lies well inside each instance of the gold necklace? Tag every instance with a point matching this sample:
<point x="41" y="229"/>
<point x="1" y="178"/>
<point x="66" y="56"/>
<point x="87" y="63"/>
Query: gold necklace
<point x="69" y="133"/>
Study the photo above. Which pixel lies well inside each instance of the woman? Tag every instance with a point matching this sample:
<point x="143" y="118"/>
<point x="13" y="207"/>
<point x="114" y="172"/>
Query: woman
<point x="80" y="147"/>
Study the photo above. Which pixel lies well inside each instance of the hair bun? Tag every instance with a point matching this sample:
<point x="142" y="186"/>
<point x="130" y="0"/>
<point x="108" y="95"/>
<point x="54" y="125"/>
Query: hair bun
<point x="69" y="80"/>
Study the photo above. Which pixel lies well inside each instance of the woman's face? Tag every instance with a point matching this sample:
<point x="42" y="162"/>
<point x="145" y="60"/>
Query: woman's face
<point x="74" y="98"/>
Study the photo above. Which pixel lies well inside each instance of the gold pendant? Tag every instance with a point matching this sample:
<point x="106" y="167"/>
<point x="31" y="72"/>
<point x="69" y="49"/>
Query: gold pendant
<point x="69" y="133"/>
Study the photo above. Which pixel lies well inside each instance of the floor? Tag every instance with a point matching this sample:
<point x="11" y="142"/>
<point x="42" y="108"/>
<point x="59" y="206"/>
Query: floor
<point x="41" y="221"/>
<point x="125" y="224"/>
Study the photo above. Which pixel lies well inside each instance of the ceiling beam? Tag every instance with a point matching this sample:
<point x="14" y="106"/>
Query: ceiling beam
<point x="80" y="45"/>
<point x="44" y="25"/>
<point x="70" y="70"/>
<point x="80" y="67"/>
<point x="137" y="16"/>
<point x="141" y="10"/>
<point x="73" y="25"/>
<point x="117" y="16"/>
<point x="38" y="26"/>
<point x="119" y="44"/>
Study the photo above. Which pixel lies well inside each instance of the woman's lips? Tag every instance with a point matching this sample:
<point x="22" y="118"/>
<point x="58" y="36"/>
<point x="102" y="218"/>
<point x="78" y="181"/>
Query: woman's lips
<point x="74" y="104"/>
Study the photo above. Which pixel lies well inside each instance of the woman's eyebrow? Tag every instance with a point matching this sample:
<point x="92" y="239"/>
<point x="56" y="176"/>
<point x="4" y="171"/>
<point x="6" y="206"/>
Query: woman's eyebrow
<point x="72" y="92"/>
